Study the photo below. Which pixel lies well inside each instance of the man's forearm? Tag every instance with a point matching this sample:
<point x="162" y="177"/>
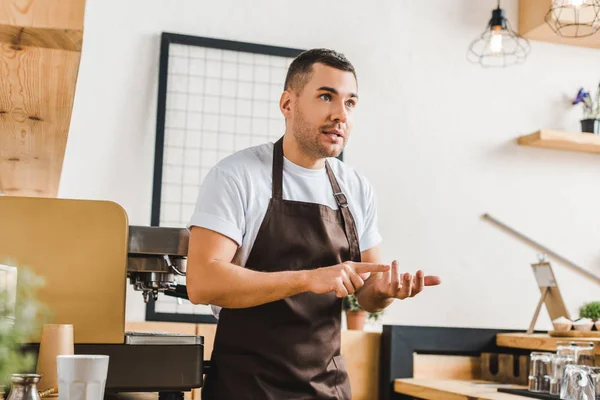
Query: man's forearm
<point x="230" y="286"/>
<point x="368" y="300"/>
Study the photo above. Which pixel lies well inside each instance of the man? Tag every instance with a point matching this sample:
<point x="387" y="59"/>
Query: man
<point x="281" y="233"/>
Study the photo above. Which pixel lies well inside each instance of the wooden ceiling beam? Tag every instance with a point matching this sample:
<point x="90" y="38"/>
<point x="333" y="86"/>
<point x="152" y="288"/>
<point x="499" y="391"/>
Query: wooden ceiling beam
<point x="40" y="50"/>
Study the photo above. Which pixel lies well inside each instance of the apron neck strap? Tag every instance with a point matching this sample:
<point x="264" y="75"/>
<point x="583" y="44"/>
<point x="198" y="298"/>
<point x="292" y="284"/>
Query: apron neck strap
<point x="349" y="223"/>
<point x="278" y="169"/>
<point x="340" y="198"/>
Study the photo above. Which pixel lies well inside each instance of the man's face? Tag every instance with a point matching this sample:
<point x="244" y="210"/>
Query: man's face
<point x="321" y="116"/>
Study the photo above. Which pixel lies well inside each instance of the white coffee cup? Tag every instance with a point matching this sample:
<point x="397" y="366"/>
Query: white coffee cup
<point x="81" y="376"/>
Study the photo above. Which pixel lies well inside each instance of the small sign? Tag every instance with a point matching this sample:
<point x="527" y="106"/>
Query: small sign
<point x="544" y="275"/>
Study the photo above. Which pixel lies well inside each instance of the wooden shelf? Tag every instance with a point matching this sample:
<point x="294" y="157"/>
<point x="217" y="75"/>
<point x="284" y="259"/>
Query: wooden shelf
<point x="539" y="341"/>
<point x="557" y="140"/>
<point x="452" y="390"/>
<point x="532" y="25"/>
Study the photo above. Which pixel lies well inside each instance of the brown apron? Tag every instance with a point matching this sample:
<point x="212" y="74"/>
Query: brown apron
<point x="290" y="348"/>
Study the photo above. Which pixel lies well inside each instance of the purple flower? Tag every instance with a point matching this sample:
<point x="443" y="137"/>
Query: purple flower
<point x="581" y="95"/>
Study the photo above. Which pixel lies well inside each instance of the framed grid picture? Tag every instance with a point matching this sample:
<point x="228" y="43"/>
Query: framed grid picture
<point x="215" y="97"/>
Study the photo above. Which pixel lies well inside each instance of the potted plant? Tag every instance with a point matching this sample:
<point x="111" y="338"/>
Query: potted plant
<point x="591" y="111"/>
<point x="355" y="315"/>
<point x="21" y="318"/>
<point x="591" y="311"/>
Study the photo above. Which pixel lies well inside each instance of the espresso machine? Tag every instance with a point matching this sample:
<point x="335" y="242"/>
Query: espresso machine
<point x="86" y="251"/>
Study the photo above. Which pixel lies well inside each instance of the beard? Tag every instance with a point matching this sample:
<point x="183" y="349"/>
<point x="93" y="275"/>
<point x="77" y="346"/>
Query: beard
<point x="309" y="138"/>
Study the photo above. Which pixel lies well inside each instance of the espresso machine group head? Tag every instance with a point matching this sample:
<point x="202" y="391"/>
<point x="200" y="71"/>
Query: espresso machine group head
<point x="156" y="256"/>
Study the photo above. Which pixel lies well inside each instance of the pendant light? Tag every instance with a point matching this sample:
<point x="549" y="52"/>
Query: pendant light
<point x="574" y="18"/>
<point x="499" y="45"/>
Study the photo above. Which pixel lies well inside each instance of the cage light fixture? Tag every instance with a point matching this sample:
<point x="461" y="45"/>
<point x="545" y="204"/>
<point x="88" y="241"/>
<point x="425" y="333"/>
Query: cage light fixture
<point x="574" y="18"/>
<point x="499" y="45"/>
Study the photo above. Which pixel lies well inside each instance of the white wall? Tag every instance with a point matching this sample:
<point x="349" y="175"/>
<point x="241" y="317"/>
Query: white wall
<point x="434" y="134"/>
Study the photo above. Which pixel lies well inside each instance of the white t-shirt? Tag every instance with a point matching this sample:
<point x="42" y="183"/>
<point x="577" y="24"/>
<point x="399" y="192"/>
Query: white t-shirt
<point x="234" y="196"/>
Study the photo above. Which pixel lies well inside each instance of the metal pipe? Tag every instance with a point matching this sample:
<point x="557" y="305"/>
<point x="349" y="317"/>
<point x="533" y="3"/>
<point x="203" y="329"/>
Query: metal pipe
<point x="544" y="249"/>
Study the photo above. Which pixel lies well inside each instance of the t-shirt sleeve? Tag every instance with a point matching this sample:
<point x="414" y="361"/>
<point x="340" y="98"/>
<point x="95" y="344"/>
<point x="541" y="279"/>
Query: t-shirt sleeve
<point x="220" y="206"/>
<point x="370" y="236"/>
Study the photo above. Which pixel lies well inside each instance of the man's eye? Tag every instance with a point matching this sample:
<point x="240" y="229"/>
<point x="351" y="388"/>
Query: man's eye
<point x="325" y="97"/>
<point x="350" y="104"/>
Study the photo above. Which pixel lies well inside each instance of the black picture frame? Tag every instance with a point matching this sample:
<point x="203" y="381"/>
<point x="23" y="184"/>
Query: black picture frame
<point x="167" y="39"/>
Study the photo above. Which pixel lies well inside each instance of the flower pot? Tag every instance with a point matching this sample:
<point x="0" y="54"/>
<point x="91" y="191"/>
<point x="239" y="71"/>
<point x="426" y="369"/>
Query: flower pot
<point x="590" y="125"/>
<point x="356" y="320"/>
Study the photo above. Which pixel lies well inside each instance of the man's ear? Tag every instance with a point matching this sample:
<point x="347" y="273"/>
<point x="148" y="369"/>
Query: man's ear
<point x="285" y="103"/>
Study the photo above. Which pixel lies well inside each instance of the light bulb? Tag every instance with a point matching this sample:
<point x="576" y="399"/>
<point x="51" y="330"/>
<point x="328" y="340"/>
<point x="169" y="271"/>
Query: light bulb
<point x="496" y="43"/>
<point x="575" y="3"/>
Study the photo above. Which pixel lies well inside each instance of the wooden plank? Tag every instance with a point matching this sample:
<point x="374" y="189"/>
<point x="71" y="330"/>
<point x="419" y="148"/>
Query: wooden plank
<point x="208" y="331"/>
<point x="573" y="333"/>
<point x="544" y="33"/>
<point x="505" y="368"/>
<point x="36" y="99"/>
<point x="58" y="39"/>
<point x="582" y="142"/>
<point x="432" y="366"/>
<point x="532" y="25"/>
<point x="40" y="50"/>
<point x="450" y="390"/>
<point x="53" y="14"/>
<point x="361" y="352"/>
<point x="532" y="14"/>
<point x="538" y="341"/>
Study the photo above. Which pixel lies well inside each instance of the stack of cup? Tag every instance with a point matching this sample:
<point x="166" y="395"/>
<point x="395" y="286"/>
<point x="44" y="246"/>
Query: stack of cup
<point x="56" y="340"/>
<point x="580" y="382"/>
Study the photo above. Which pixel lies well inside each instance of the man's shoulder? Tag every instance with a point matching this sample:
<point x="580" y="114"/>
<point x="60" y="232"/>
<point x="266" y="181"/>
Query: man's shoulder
<point x="248" y="159"/>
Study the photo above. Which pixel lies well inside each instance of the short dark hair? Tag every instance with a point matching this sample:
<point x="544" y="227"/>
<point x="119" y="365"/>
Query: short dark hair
<point x="300" y="69"/>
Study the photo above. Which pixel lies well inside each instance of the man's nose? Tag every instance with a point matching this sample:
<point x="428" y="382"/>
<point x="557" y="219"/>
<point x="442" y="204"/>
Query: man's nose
<point x="339" y="113"/>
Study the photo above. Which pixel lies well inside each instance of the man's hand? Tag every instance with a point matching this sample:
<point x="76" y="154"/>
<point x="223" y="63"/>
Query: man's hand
<point x="343" y="279"/>
<point x="395" y="285"/>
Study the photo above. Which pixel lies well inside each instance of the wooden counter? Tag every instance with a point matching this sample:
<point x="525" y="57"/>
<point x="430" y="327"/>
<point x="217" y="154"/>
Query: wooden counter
<point x="451" y="390"/>
<point x="539" y="341"/>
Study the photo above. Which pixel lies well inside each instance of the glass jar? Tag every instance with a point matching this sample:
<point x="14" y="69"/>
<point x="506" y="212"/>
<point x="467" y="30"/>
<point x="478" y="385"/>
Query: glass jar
<point x="559" y="363"/>
<point x="584" y="353"/>
<point x="540" y="371"/>
<point x="24" y="387"/>
<point x="565" y="348"/>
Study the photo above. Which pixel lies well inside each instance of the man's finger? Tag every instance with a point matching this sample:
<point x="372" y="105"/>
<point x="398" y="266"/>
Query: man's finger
<point x="432" y="280"/>
<point x="418" y="283"/>
<point x="356" y="280"/>
<point x="406" y="288"/>
<point x="341" y="291"/>
<point x="368" y="267"/>
<point x="395" y="283"/>
<point x="347" y="282"/>
<point x="387" y="278"/>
